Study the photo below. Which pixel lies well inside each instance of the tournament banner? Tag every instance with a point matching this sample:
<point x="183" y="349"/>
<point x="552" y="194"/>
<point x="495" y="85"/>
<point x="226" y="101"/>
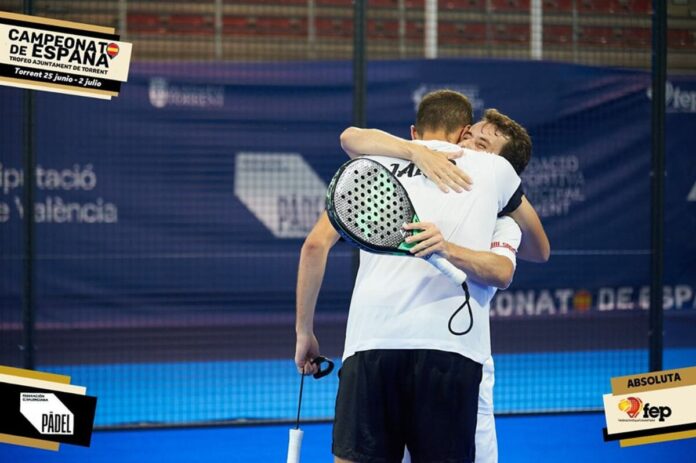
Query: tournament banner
<point x="42" y="410"/>
<point x="62" y="56"/>
<point x="651" y="407"/>
<point x="216" y="147"/>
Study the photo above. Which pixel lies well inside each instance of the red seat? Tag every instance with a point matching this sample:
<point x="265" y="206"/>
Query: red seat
<point x="334" y="27"/>
<point x="143" y="23"/>
<point x="510" y="6"/>
<point x="348" y="3"/>
<point x="595" y="36"/>
<point x="636" y="37"/>
<point x="511" y="34"/>
<point x="190" y="24"/>
<point x="635" y="7"/>
<point x="461" y="33"/>
<point x="382" y="29"/>
<point x="681" y="38"/>
<point x="558" y="6"/>
<point x="277" y="2"/>
<point x="463" y="5"/>
<point x="558" y="34"/>
<point x="265" y="26"/>
<point x="414" y="30"/>
<point x="383" y="3"/>
<point x="595" y="6"/>
<point x="238" y="25"/>
<point x="281" y="26"/>
<point x="632" y="7"/>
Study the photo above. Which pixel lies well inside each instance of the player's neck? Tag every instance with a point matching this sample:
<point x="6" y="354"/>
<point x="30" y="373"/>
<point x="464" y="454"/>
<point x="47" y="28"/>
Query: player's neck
<point x="439" y="136"/>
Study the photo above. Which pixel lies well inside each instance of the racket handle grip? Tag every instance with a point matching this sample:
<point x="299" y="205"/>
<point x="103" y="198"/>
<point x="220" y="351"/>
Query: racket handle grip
<point x="295" y="445"/>
<point x="446" y="267"/>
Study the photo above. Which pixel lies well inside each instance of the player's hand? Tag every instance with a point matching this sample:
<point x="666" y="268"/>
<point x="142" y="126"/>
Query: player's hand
<point x="306" y="349"/>
<point x="452" y="155"/>
<point x="438" y="168"/>
<point x="429" y="240"/>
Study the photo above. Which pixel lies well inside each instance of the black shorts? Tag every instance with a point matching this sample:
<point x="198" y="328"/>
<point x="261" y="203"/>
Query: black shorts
<point x="424" y="399"/>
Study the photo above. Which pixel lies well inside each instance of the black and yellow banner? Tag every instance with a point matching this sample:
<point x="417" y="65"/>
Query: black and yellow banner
<point x="43" y="410"/>
<point x="62" y="56"/>
<point x="651" y="407"/>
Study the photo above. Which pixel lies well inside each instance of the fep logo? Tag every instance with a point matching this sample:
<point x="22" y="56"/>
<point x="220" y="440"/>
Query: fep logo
<point x="656" y="412"/>
<point x="632" y="406"/>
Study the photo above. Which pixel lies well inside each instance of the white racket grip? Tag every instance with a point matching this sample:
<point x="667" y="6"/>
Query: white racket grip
<point x="295" y="445"/>
<point x="446" y="267"/>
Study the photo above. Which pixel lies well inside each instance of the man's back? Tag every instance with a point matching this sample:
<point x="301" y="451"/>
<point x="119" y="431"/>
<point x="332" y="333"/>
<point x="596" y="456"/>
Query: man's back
<point x="405" y="303"/>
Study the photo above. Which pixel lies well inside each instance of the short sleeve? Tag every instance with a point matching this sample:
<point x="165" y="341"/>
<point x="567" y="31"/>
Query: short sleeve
<point x="506" y="179"/>
<point x="514" y="202"/>
<point x="506" y="239"/>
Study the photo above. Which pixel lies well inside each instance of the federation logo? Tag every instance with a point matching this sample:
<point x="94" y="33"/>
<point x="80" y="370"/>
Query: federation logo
<point x="631" y="406"/>
<point x="47" y="413"/>
<point x="112" y="50"/>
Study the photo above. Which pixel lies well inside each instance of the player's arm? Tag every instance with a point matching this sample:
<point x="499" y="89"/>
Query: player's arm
<point x="434" y="164"/>
<point x="535" y="246"/>
<point x="483" y="267"/>
<point x="512" y="202"/>
<point x="310" y="275"/>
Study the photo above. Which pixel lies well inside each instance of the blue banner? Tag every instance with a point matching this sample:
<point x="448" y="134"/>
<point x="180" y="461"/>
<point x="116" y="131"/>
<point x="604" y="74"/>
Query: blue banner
<point x="193" y="190"/>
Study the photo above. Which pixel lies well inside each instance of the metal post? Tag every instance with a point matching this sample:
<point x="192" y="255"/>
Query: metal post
<point x="311" y="29"/>
<point x="430" y="29"/>
<point x="123" y="19"/>
<point x="29" y="165"/>
<point x="576" y="32"/>
<point x="489" y="27"/>
<point x="217" y="21"/>
<point x="659" y="79"/>
<point x="536" y="29"/>
<point x="402" y="28"/>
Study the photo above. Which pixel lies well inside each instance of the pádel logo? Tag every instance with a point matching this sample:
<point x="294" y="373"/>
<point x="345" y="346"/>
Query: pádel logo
<point x="631" y="406"/>
<point x="47" y="413"/>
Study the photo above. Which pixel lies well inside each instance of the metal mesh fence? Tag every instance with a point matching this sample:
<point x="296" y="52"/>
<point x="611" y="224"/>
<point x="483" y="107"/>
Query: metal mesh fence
<point x="169" y="220"/>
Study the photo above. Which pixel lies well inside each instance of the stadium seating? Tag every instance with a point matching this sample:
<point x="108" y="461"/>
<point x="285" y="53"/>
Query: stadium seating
<point x="557" y="34"/>
<point x="510" y="6"/>
<point x="572" y="29"/>
<point x="462" y="33"/>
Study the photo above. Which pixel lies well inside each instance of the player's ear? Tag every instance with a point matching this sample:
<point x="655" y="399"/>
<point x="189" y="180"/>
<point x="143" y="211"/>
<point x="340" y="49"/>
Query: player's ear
<point x="463" y="132"/>
<point x="414" y="133"/>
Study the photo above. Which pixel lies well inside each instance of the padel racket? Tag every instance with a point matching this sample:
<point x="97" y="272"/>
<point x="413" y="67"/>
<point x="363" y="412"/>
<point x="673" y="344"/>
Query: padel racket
<point x="296" y="434"/>
<point x="368" y="206"/>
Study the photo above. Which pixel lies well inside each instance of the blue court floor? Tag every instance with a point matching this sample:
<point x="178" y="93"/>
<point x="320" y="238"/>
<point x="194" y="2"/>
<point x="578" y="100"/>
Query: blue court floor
<point x="567" y="438"/>
<point x="196" y="392"/>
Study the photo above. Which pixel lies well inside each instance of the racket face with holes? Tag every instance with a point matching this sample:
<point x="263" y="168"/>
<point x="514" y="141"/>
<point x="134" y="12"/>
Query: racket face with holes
<point x="367" y="205"/>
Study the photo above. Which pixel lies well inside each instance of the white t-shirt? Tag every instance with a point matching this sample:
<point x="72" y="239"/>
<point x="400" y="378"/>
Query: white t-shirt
<point x="505" y="242"/>
<point x="402" y="302"/>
